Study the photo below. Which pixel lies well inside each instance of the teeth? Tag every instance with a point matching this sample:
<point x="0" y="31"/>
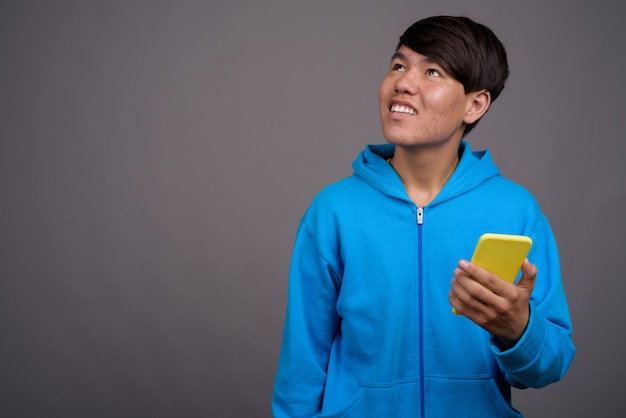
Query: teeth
<point x="403" y="109"/>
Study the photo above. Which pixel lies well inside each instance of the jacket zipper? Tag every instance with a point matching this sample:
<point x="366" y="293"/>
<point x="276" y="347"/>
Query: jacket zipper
<point x="420" y="298"/>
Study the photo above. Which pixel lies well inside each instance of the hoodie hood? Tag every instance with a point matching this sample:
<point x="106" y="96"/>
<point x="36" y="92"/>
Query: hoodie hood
<point x="474" y="168"/>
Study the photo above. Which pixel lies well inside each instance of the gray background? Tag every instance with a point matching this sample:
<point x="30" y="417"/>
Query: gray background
<point x="155" y="158"/>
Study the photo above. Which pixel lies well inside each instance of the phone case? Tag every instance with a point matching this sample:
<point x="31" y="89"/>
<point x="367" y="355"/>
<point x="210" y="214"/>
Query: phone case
<point x="501" y="254"/>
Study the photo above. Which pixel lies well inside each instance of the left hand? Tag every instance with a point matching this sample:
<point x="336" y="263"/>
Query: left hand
<point x="499" y="307"/>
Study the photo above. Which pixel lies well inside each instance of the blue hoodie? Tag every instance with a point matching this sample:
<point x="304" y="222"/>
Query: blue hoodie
<point x="369" y="330"/>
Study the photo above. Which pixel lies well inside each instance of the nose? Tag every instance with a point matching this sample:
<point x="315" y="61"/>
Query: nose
<point x="407" y="83"/>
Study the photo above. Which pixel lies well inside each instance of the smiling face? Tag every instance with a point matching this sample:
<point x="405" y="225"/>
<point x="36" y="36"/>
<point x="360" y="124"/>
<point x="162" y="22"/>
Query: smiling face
<point x="421" y="104"/>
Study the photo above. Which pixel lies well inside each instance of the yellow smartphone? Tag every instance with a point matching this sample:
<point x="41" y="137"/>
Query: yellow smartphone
<point x="501" y="254"/>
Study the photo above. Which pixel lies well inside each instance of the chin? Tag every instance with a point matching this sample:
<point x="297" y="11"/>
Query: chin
<point x="419" y="143"/>
<point x="400" y="140"/>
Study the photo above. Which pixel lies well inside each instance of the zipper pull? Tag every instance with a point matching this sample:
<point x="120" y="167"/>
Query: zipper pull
<point x="420" y="216"/>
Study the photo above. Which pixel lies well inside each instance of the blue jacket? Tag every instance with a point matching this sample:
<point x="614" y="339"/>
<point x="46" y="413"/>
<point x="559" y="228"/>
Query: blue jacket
<point x="369" y="330"/>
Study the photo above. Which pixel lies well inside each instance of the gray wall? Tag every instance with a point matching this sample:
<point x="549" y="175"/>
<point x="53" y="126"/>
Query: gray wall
<point x="155" y="158"/>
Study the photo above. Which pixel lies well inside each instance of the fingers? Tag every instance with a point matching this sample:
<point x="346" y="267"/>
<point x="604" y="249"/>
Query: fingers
<point x="480" y="290"/>
<point x="485" y="278"/>
<point x="468" y="293"/>
<point x="499" y="307"/>
<point x="529" y="274"/>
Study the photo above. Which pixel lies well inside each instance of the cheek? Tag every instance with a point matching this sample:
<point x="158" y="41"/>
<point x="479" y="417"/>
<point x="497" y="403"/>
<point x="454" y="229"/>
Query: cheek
<point x="440" y="98"/>
<point x="447" y="104"/>
<point x="386" y="87"/>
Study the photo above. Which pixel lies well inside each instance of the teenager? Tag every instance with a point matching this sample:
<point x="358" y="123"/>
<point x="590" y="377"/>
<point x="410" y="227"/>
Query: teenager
<point x="380" y="257"/>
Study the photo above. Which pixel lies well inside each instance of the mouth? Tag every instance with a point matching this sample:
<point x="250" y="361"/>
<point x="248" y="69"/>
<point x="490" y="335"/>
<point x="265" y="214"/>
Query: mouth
<point x="402" y="109"/>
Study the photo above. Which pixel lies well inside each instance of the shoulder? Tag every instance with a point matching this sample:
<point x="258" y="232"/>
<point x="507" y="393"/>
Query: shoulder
<point x="514" y="201"/>
<point x="506" y="189"/>
<point x="339" y="203"/>
<point x="339" y="193"/>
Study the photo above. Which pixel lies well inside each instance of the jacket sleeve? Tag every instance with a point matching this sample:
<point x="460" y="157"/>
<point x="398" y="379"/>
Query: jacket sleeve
<point x="545" y="351"/>
<point x="310" y="326"/>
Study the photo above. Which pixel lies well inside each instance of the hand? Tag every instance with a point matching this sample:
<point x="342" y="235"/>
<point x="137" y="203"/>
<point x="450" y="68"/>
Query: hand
<point x="499" y="307"/>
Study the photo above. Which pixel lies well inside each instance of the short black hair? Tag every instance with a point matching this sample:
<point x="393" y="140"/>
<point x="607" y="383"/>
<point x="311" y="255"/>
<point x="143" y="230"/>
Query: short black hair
<point x="468" y="50"/>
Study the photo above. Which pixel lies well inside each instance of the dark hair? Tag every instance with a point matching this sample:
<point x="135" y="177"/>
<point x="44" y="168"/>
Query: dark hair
<point x="469" y="51"/>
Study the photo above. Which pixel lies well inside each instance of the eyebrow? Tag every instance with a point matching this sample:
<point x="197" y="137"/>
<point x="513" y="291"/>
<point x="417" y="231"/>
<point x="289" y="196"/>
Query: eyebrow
<point x="400" y="56"/>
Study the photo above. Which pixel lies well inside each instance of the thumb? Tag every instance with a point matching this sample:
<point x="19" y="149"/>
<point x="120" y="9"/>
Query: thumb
<point x="529" y="273"/>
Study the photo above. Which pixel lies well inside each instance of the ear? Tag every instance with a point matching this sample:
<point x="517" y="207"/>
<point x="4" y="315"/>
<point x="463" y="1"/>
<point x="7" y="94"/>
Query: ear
<point x="478" y="104"/>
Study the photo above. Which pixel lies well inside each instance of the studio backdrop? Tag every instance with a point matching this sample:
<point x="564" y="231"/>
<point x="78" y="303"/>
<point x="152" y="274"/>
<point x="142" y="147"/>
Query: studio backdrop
<point x="156" y="157"/>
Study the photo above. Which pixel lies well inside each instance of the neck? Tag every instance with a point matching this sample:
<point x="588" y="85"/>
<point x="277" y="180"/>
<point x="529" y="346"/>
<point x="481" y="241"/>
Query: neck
<point x="425" y="170"/>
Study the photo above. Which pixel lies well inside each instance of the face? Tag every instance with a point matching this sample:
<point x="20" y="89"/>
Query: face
<point x="420" y="103"/>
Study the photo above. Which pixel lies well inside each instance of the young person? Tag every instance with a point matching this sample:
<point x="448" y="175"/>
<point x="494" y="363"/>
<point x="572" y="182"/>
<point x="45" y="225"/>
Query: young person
<point x="380" y="258"/>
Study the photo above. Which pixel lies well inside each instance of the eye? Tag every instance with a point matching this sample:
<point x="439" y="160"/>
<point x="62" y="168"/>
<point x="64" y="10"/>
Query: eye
<point x="398" y="67"/>
<point x="433" y="72"/>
